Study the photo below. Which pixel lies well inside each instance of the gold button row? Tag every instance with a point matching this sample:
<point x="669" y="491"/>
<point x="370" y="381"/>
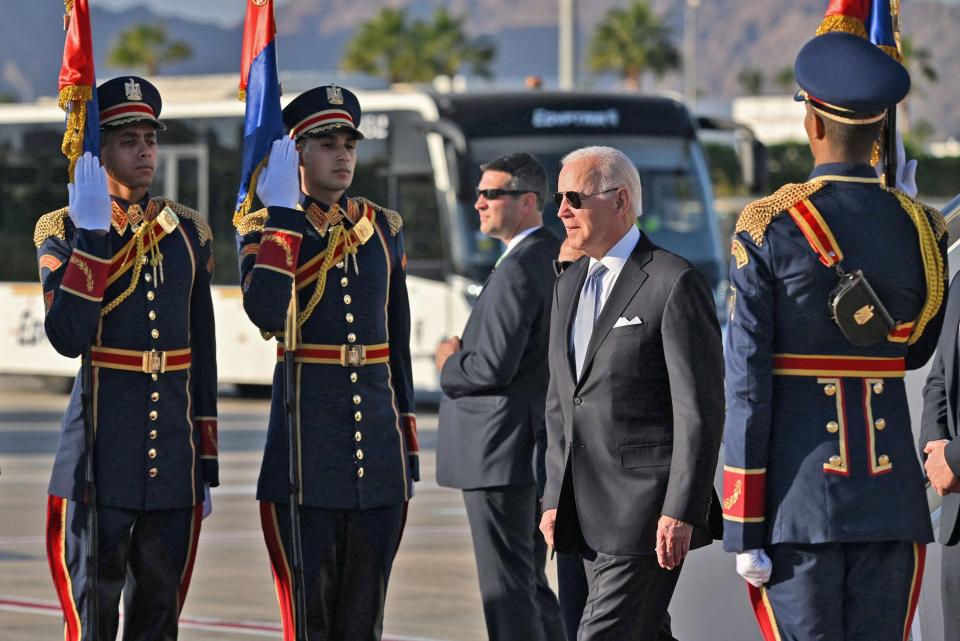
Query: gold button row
<point x="347" y="299"/>
<point x="357" y="416"/>
<point x="154" y="415"/>
<point x="359" y="455"/>
<point x="150" y="295"/>
<point x="829" y="389"/>
<point x="349" y="317"/>
<point x="152" y="315"/>
<point x="152" y="434"/>
<point x="344" y="281"/>
<point x="351" y="338"/>
<point x="356" y="399"/>
<point x="353" y="377"/>
<point x="357" y="436"/>
<point x="152" y="453"/>
<point x="833" y="427"/>
<point x="880" y="424"/>
<point x="878" y="388"/>
<point x="152" y="472"/>
<point x="155" y="333"/>
<point x="360" y="472"/>
<point x="155" y="396"/>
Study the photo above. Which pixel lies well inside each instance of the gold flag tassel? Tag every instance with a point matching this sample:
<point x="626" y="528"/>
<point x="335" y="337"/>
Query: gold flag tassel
<point x="73" y="100"/>
<point x="844" y="23"/>
<point x="247" y="203"/>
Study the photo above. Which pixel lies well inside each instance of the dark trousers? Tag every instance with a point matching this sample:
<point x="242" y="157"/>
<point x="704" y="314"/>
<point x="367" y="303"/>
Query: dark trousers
<point x="950" y="590"/>
<point x="146" y="556"/>
<point x="347" y="557"/>
<point x="627" y="599"/>
<point x="572" y="591"/>
<point x="840" y="591"/>
<point x="518" y="604"/>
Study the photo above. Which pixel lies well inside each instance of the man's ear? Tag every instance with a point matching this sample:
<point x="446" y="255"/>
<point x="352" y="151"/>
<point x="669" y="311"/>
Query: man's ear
<point x="820" y="130"/>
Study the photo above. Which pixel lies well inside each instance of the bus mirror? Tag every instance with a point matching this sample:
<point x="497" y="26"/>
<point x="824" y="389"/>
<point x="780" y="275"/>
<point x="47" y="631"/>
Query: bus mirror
<point x="450" y="133"/>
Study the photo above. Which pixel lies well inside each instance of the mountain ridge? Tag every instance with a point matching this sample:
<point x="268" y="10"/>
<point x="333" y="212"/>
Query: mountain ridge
<point x="731" y="36"/>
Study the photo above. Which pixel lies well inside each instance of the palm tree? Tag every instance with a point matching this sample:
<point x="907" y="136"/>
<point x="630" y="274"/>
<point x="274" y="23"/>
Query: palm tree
<point x="918" y="61"/>
<point x="751" y="81"/>
<point x="632" y="42"/>
<point x="147" y="46"/>
<point x="398" y="50"/>
<point x="785" y="80"/>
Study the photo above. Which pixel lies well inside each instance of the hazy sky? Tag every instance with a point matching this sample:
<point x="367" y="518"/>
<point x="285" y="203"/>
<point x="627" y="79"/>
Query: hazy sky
<point x="223" y="12"/>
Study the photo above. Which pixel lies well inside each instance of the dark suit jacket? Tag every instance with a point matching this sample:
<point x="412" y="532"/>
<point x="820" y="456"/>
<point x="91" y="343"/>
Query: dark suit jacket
<point x="940" y="408"/>
<point x="639" y="434"/>
<point x="491" y="413"/>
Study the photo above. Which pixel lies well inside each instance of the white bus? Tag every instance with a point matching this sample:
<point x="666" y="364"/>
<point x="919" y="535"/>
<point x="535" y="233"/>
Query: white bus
<point x="421" y="156"/>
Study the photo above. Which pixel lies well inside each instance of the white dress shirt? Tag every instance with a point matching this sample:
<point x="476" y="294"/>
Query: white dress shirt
<point x="614" y="260"/>
<point x="516" y="241"/>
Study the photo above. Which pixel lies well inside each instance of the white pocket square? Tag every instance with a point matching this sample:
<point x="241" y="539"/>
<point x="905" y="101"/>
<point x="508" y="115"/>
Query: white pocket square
<point x="626" y="322"/>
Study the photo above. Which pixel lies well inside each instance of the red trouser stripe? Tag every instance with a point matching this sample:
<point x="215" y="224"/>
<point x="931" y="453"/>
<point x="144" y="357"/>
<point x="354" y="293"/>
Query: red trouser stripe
<point x="57" y="557"/>
<point x="919" y="559"/>
<point x="764" y="613"/>
<point x="282" y="575"/>
<point x="187" y="573"/>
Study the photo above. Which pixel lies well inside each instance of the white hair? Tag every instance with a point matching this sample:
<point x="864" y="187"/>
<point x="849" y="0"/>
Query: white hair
<point x="609" y="169"/>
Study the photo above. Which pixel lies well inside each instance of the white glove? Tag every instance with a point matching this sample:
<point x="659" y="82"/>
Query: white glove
<point x="279" y="182"/>
<point x="906" y="170"/>
<point x="754" y="566"/>
<point x="89" y="199"/>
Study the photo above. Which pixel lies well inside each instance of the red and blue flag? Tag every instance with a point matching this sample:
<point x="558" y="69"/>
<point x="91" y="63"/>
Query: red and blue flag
<point x="876" y="20"/>
<point x="78" y="95"/>
<point x="260" y="89"/>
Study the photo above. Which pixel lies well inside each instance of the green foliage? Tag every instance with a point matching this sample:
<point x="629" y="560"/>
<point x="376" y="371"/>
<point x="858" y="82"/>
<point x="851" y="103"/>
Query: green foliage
<point x="785" y="80"/>
<point x="789" y="162"/>
<point x="147" y="46"/>
<point x="631" y="42"/>
<point x="397" y="49"/>
<point x="726" y="174"/>
<point x="751" y="81"/>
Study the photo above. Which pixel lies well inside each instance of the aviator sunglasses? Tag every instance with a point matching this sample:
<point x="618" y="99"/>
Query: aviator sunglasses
<point x="575" y="198"/>
<point x="493" y="194"/>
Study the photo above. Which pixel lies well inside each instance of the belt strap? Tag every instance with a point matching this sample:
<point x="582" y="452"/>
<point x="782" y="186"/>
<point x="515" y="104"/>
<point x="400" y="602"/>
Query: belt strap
<point x="343" y="355"/>
<point x="824" y="366"/>
<point x="131" y="360"/>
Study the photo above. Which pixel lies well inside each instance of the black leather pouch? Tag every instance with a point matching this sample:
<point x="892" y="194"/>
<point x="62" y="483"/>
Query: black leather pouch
<point x="857" y="310"/>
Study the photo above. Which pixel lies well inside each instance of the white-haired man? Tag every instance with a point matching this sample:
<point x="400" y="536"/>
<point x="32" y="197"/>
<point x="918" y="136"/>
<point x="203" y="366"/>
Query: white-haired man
<point x="634" y="411"/>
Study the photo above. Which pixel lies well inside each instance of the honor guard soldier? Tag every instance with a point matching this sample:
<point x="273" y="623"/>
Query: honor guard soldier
<point x="353" y="415"/>
<point x="837" y="288"/>
<point x="128" y="276"/>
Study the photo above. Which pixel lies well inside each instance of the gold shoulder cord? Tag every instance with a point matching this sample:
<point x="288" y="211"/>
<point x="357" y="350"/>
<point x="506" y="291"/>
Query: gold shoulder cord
<point x="335" y="234"/>
<point x="135" y="278"/>
<point x="756" y="216"/>
<point x="932" y="262"/>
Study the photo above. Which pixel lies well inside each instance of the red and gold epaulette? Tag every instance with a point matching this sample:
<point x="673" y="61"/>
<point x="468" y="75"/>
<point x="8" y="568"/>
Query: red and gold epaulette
<point x="756" y="217"/>
<point x="204" y="233"/>
<point x="50" y="224"/>
<point x="394" y="221"/>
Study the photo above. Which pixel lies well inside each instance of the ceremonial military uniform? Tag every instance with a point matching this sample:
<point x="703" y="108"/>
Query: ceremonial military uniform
<point x="355" y="417"/>
<point x="820" y="469"/>
<point x="139" y="295"/>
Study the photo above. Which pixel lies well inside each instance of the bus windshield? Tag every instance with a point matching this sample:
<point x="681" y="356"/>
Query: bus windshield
<point x="675" y="214"/>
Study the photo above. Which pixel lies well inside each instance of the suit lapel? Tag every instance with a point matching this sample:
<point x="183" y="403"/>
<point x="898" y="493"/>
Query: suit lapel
<point x="629" y="281"/>
<point x="578" y="274"/>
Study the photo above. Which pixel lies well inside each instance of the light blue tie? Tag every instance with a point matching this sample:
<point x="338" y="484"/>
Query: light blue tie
<point x="587" y="311"/>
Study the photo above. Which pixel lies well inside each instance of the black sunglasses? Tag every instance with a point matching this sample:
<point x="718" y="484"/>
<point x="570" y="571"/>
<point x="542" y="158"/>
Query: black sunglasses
<point x="575" y="198"/>
<point x="493" y="194"/>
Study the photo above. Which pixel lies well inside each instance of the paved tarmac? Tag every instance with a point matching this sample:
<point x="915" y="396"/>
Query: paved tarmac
<point x="433" y="591"/>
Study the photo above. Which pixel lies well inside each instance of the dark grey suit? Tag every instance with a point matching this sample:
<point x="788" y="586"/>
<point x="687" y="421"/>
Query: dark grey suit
<point x="637" y="436"/>
<point x="492" y="438"/>
<point x="940" y="409"/>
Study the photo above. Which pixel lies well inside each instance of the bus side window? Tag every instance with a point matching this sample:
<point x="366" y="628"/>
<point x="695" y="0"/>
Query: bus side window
<point x="422" y="232"/>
